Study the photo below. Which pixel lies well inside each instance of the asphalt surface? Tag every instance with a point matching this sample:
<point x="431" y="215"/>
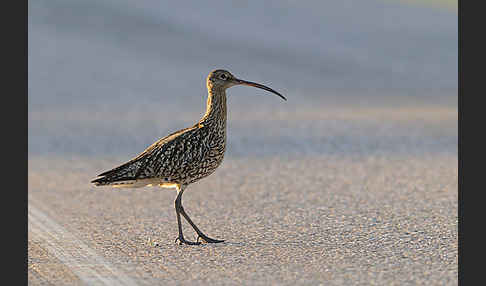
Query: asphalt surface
<point x="352" y="181"/>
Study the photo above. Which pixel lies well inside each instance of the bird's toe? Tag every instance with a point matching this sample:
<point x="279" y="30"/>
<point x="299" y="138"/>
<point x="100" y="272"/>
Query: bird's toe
<point x="208" y="240"/>
<point x="181" y="241"/>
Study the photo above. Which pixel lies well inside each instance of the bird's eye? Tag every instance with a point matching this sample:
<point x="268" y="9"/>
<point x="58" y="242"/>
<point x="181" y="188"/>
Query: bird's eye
<point x="223" y="77"/>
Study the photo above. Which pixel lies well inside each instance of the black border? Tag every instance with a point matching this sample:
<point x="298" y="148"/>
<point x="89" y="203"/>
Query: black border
<point x="14" y="116"/>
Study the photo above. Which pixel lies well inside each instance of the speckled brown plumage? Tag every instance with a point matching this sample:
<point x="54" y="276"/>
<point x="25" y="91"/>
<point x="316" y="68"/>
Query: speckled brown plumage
<point x="185" y="156"/>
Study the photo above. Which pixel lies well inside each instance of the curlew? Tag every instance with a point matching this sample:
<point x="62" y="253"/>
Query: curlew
<point x="185" y="156"/>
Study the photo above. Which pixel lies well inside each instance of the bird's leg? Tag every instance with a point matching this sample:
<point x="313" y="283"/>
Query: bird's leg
<point x="199" y="232"/>
<point x="178" y="208"/>
<point x="188" y="219"/>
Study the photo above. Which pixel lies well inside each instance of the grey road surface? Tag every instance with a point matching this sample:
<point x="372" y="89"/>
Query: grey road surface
<point x="352" y="181"/>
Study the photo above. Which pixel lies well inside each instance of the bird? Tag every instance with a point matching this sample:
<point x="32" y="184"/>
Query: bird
<point x="185" y="156"/>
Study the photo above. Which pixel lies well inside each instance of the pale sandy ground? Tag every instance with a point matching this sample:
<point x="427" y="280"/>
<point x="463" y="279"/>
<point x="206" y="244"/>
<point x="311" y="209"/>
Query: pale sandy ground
<point x="355" y="198"/>
<point x="352" y="181"/>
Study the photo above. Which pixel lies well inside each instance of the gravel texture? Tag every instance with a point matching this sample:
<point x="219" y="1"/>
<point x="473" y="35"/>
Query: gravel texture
<point x="352" y="181"/>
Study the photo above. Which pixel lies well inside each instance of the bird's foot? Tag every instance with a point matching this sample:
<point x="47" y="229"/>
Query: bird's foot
<point x="182" y="241"/>
<point x="207" y="239"/>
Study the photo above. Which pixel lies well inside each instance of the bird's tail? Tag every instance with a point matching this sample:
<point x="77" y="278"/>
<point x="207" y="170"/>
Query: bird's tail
<point x="122" y="176"/>
<point x="104" y="181"/>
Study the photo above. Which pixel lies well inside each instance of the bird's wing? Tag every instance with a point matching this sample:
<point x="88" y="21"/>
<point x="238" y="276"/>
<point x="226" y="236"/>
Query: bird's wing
<point x="146" y="164"/>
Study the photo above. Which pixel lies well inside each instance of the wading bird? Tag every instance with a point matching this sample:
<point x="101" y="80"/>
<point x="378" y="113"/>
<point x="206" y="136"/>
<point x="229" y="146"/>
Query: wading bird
<point x="185" y="156"/>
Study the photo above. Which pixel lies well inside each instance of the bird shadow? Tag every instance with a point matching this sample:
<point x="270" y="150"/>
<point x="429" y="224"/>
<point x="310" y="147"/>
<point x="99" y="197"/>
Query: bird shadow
<point x="250" y="243"/>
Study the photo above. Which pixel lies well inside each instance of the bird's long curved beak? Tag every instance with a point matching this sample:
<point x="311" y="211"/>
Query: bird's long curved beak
<point x="254" y="84"/>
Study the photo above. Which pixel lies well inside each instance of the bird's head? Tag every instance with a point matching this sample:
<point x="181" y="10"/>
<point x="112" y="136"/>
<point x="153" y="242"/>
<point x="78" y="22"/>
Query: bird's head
<point x="224" y="79"/>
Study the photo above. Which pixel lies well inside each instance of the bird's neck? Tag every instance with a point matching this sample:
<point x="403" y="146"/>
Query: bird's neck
<point x="216" y="107"/>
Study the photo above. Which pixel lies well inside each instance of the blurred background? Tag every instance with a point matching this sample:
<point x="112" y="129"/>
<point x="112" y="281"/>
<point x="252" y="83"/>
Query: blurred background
<point x="110" y="77"/>
<point x="351" y="181"/>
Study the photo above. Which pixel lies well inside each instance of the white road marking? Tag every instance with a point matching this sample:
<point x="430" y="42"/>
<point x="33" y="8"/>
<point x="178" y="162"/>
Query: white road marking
<point x="91" y="268"/>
